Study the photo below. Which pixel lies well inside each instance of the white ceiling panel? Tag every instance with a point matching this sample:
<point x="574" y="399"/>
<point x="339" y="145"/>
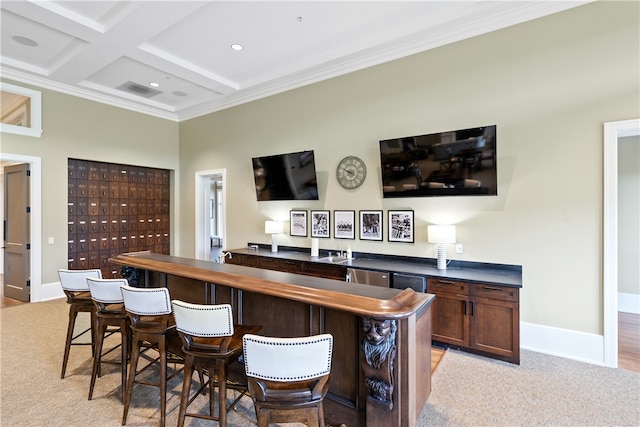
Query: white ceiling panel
<point x="91" y="48"/>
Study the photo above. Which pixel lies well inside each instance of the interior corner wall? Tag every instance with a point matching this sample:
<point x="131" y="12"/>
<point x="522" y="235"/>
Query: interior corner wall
<point x="549" y="85"/>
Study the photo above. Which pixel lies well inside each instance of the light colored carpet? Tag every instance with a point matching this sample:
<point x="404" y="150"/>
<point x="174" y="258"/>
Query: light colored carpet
<point x="467" y="390"/>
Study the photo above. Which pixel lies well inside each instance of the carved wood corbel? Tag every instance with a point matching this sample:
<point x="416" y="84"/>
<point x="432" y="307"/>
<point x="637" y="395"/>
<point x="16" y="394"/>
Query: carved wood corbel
<point x="379" y="346"/>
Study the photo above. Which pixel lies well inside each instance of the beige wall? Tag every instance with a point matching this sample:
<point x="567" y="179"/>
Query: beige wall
<point x="77" y="128"/>
<point x="629" y="215"/>
<point x="548" y="85"/>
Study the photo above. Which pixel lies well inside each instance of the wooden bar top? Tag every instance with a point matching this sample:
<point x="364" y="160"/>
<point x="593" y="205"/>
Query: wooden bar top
<point x="371" y="301"/>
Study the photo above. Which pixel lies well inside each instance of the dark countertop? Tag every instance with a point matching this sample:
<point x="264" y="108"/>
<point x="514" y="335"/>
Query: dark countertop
<point x="497" y="274"/>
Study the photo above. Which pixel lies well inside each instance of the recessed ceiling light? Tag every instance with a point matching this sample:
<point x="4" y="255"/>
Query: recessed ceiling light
<point x="236" y="46"/>
<point x="154" y="84"/>
<point x="25" y="41"/>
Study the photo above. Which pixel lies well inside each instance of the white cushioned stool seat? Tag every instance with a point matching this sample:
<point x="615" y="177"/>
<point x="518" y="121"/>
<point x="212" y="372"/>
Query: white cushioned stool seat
<point x="288" y="377"/>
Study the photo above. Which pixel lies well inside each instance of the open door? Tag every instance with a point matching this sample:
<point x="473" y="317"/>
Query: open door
<point x="16" y="232"/>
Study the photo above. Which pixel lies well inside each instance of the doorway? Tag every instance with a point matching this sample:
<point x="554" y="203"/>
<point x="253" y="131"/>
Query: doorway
<point x="16" y="241"/>
<point x="35" y="227"/>
<point x="613" y="131"/>
<point x="211" y="196"/>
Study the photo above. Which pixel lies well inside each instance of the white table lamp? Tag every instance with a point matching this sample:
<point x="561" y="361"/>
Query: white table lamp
<point x="442" y="235"/>
<point x="274" y="228"/>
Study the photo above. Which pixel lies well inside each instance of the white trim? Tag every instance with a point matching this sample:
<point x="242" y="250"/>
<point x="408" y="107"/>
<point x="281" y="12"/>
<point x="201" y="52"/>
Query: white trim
<point x="49" y="291"/>
<point x="629" y="303"/>
<point x="565" y="343"/>
<point x="35" y="111"/>
<point x="35" y="223"/>
<point x="612" y="131"/>
<point x="202" y="221"/>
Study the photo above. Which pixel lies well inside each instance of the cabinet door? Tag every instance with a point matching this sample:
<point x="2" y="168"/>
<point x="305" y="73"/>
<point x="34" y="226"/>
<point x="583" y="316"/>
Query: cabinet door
<point x="495" y="328"/>
<point x="450" y="320"/>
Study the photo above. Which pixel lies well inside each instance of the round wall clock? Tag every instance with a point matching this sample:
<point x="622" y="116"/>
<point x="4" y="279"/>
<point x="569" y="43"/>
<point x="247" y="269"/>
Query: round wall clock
<point x="351" y="172"/>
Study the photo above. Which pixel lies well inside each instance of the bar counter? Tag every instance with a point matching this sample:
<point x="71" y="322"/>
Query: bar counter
<point x="381" y="369"/>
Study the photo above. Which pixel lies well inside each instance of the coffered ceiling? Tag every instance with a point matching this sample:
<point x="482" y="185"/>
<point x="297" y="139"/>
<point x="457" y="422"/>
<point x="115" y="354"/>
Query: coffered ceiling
<point x="112" y="51"/>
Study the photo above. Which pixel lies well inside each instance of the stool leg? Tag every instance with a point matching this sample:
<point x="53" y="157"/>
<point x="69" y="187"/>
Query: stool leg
<point x="321" y="414"/>
<point x="212" y="393"/>
<point x="124" y="354"/>
<point x="162" y="348"/>
<point x="312" y="417"/>
<point x="263" y="417"/>
<point x="100" y="330"/>
<point x="222" y="391"/>
<point x="186" y="387"/>
<point x="135" y="354"/>
<point x="73" y="312"/>
<point x="94" y="322"/>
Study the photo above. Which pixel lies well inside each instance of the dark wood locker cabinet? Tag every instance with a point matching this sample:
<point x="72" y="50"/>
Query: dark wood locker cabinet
<point x="114" y="208"/>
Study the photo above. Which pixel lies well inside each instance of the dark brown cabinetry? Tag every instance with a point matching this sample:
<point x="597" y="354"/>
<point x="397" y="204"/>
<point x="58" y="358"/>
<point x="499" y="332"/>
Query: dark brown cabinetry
<point x="113" y="209"/>
<point x="479" y="317"/>
<point x="327" y="271"/>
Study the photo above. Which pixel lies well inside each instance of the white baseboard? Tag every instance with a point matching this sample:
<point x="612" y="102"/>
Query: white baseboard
<point x="49" y="291"/>
<point x="629" y="303"/>
<point x="565" y="343"/>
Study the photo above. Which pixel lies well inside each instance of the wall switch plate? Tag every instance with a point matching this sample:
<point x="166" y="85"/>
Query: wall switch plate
<point x="51" y="240"/>
<point x="458" y="248"/>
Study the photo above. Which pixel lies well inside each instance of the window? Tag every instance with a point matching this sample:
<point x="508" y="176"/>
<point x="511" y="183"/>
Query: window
<point x="20" y="110"/>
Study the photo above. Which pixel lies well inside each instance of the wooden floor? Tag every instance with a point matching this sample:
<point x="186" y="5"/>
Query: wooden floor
<point x="629" y="341"/>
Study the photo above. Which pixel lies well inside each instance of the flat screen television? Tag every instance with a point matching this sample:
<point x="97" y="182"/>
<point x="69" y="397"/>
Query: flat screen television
<point x="454" y="163"/>
<point x="290" y="176"/>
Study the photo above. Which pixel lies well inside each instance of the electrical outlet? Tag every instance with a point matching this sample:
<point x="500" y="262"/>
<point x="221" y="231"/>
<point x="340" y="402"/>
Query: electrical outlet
<point x="458" y="248"/>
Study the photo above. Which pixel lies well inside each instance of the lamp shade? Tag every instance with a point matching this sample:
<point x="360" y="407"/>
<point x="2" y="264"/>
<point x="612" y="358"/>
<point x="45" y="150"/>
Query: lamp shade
<point x="273" y="227"/>
<point x="441" y="233"/>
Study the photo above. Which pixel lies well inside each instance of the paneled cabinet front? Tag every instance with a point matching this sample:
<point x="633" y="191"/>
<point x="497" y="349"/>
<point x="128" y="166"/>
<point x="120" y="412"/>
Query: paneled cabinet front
<point x="476" y="316"/>
<point x="112" y="209"/>
<point x="327" y="271"/>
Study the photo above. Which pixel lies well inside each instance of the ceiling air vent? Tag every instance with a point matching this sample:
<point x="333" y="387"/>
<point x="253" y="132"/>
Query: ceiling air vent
<point x="138" y="89"/>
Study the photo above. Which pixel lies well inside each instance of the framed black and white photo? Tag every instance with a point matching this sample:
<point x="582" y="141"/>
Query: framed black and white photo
<point x="344" y="224"/>
<point x="370" y="225"/>
<point x="298" y="223"/>
<point x="320" y="224"/>
<point x="401" y="226"/>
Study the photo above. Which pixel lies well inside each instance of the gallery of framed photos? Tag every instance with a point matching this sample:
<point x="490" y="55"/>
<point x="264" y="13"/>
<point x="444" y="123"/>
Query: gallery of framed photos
<point x="345" y="224"/>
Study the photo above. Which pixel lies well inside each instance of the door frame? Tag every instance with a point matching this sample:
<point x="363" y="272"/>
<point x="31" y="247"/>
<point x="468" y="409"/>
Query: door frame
<point x="612" y="132"/>
<point x="202" y="207"/>
<point x="35" y="226"/>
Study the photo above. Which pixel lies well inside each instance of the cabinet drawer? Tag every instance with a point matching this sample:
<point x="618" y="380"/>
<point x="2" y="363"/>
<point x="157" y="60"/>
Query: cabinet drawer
<point x="449" y="286"/>
<point x="290" y="266"/>
<point x="495" y="292"/>
<point x="269" y="263"/>
<point x="325" y="270"/>
<point x="248" y="260"/>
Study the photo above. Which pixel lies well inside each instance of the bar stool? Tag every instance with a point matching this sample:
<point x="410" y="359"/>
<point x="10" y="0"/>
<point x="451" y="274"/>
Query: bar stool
<point x="111" y="317"/>
<point x="288" y="377"/>
<point x="153" y="328"/>
<point x="74" y="285"/>
<point x="210" y="342"/>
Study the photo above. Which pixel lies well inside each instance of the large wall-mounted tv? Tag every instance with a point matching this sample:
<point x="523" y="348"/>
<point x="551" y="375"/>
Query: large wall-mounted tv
<point x="454" y="163"/>
<point x="290" y="176"/>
